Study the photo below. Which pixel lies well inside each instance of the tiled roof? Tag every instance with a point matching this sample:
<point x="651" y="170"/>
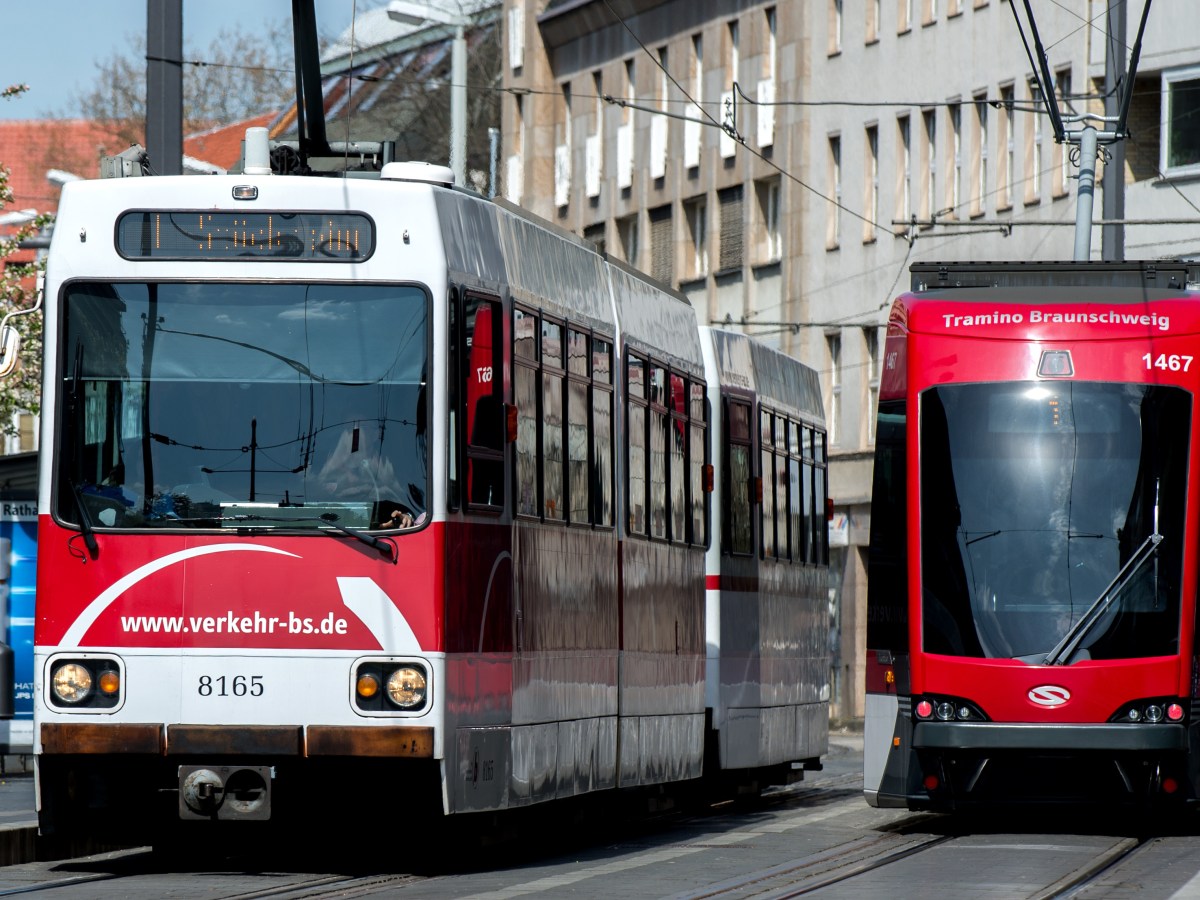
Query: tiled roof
<point x="31" y="148"/>
<point x="223" y="146"/>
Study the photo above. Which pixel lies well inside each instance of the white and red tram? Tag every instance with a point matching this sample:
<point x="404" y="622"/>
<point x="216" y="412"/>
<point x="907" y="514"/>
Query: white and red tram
<point x="369" y="487"/>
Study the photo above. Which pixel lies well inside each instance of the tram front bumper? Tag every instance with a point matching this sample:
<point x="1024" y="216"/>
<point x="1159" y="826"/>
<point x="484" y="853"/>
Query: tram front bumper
<point x="1162" y="738"/>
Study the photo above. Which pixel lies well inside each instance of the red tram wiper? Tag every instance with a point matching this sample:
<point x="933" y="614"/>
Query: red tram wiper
<point x="1071" y="640"/>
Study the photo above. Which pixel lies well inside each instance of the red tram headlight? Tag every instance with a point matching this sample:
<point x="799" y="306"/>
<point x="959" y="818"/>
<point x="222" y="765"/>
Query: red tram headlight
<point x="1151" y="711"/>
<point x="924" y="709"/>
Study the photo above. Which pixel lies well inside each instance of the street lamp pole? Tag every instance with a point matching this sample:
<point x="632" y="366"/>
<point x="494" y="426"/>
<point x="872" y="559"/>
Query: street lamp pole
<point x="458" y="106"/>
<point x="418" y="14"/>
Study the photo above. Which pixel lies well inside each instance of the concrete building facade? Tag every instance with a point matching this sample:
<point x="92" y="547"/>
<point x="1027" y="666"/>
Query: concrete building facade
<point x="782" y="164"/>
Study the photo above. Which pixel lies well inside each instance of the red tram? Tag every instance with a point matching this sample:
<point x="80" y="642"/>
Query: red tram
<point x="1033" y="568"/>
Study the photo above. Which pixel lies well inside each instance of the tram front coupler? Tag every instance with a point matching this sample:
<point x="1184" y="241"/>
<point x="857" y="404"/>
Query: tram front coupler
<point x="225" y="792"/>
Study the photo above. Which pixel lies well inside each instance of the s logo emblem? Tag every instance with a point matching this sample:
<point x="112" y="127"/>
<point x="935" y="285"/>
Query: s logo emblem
<point x="1049" y="695"/>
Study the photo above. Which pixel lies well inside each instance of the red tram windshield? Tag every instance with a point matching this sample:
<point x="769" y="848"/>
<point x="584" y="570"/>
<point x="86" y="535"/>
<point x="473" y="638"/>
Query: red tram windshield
<point x="1053" y="519"/>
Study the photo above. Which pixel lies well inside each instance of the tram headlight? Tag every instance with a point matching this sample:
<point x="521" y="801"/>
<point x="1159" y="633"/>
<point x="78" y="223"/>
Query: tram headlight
<point x="88" y="683"/>
<point x="406" y="687"/>
<point x="391" y="687"/>
<point x="72" y="683"/>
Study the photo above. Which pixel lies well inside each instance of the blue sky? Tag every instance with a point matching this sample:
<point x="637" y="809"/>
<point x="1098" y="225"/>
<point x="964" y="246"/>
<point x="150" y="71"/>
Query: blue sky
<point x="53" y="45"/>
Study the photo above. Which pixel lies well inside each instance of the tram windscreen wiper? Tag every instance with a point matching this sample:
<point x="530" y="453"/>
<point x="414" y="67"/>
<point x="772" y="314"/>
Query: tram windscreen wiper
<point x="328" y="520"/>
<point x="1075" y="635"/>
<point x="86" y="527"/>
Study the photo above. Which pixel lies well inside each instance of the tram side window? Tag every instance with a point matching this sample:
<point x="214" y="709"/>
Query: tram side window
<point x="697" y="498"/>
<point x="553" y="499"/>
<point x="795" y="466"/>
<point x="808" y="500"/>
<point x="601" y="468"/>
<point x="481" y="393"/>
<point x="659" y="440"/>
<point x="635" y="379"/>
<point x="578" y="480"/>
<point x="738" y="536"/>
<point x="766" y="442"/>
<point x="677" y="452"/>
<point x="782" y="501"/>
<point x="527" y="395"/>
<point x="820" y="499"/>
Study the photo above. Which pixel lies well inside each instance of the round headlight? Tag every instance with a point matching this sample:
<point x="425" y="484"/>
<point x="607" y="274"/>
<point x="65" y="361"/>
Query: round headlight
<point x="406" y="687"/>
<point x="72" y="683"/>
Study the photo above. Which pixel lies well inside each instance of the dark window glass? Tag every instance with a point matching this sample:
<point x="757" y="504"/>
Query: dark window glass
<point x="601" y="492"/>
<point x="1052" y="519"/>
<point x="553" y="500"/>
<point x="637" y="469"/>
<point x="601" y="361"/>
<point x="577" y="449"/>
<point x="768" y="486"/>
<point x="552" y="344"/>
<point x="482" y="391"/>
<point x="524" y="334"/>
<point x="269" y="404"/>
<point x="577" y="352"/>
<point x="739" y="528"/>
<point x="526" y="394"/>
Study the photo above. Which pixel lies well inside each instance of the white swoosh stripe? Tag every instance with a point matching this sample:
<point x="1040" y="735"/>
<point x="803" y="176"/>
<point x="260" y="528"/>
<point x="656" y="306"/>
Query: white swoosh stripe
<point x="92" y="612"/>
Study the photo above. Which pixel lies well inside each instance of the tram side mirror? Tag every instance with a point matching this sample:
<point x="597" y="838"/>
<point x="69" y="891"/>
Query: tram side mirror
<point x="10" y="350"/>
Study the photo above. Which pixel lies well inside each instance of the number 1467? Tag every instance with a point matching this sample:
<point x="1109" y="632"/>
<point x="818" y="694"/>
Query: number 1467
<point x="1173" y="362"/>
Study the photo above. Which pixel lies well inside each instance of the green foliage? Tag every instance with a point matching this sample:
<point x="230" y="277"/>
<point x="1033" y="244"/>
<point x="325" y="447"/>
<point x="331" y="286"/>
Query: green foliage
<point x="21" y="391"/>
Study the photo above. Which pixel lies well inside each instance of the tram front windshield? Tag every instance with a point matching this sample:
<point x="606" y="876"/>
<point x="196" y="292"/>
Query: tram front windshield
<point x="1052" y="519"/>
<point x="223" y="405"/>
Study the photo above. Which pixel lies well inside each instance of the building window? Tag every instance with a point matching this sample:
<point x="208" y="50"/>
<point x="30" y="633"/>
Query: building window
<point x="692" y="130"/>
<point x="594" y="145"/>
<point x="904" y="16"/>
<point x="835" y="27"/>
<point x="979" y="156"/>
<point x="695" y="211"/>
<point x="727" y="145"/>
<point x="1033" y="143"/>
<point x="595" y="234"/>
<point x="833" y="344"/>
<point x="871" y="352"/>
<point x="874" y="20"/>
<point x="765" y="111"/>
<point x="871" y="183"/>
<point x="1061" y="178"/>
<point x="660" y="125"/>
<point x="1180" y="121"/>
<point x="562" y="150"/>
<point x="627" y="235"/>
<point x="955" y="166"/>
<point x="514" y="173"/>
<point x="626" y="130"/>
<point x="731" y="248"/>
<point x="770" y="246"/>
<point x="1004" y="140"/>
<point x="903" y="171"/>
<point x="928" y="12"/>
<point x="929" y="207"/>
<point x="662" y="245"/>
<point x="834" y="208"/>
